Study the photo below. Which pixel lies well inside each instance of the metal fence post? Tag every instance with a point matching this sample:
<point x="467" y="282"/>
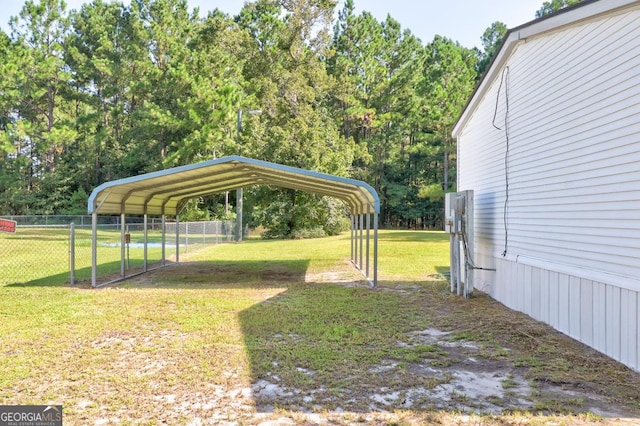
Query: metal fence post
<point x="164" y="241"/>
<point x="177" y="239"/>
<point x="72" y="253"/>
<point x="77" y="255"/>
<point x="186" y="237"/>
<point x="239" y="207"/>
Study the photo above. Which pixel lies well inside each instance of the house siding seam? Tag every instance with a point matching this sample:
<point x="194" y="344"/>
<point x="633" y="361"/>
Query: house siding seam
<point x="574" y="181"/>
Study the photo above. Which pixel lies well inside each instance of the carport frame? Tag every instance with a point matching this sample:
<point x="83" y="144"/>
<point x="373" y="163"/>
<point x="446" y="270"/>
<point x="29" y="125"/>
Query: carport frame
<point x="164" y="192"/>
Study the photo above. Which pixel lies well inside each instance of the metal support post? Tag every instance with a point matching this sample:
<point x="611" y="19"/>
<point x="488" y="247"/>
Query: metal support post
<point x="122" y="245"/>
<point x="356" y="226"/>
<point x="367" y="252"/>
<point x="375" y="249"/>
<point x="351" y="220"/>
<point x="452" y="267"/>
<point x="361" y="238"/>
<point x="146" y="236"/>
<point x="458" y="267"/>
<point x="94" y="249"/>
<point x="127" y="240"/>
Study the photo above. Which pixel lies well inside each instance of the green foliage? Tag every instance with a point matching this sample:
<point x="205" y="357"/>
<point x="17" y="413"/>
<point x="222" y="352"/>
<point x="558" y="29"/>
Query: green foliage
<point x="193" y="211"/>
<point x="116" y="89"/>
<point x="219" y="213"/>
<point x="450" y="75"/>
<point x="554" y="5"/>
<point x="433" y="192"/>
<point x="292" y="214"/>
<point x="491" y="42"/>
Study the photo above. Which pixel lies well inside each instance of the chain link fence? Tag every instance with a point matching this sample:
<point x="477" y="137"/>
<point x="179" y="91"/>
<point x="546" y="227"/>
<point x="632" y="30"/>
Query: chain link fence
<point x="56" y="250"/>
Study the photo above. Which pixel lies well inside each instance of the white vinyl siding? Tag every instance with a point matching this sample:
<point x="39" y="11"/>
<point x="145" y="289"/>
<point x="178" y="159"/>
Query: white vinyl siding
<point x="574" y="161"/>
<point x="603" y="316"/>
<point x="573" y="213"/>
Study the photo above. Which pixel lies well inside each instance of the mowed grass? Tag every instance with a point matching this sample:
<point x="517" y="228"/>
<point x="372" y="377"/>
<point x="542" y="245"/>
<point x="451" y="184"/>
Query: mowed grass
<point x="40" y="256"/>
<point x="403" y="255"/>
<point x="161" y="348"/>
<point x="99" y="352"/>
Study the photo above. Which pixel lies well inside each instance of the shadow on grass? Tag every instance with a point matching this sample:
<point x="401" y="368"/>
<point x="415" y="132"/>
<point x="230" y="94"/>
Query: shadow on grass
<point x="320" y="346"/>
<point x="56" y="280"/>
<point x="106" y="272"/>
<point x="345" y="348"/>
<point x="443" y="269"/>
<point x="308" y="344"/>
<point x="223" y="274"/>
<point x="339" y="346"/>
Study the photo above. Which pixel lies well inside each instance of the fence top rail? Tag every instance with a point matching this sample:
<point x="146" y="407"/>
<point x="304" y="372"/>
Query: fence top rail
<point x="43" y="226"/>
<point x="66" y="220"/>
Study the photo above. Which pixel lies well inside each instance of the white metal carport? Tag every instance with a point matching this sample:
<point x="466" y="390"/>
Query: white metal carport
<point x="163" y="193"/>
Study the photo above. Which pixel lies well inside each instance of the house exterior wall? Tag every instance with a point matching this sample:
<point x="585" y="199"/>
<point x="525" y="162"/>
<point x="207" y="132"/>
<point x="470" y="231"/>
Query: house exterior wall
<point x="565" y="236"/>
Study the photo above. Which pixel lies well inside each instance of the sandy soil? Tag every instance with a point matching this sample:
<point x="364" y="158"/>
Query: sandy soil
<point x="472" y="385"/>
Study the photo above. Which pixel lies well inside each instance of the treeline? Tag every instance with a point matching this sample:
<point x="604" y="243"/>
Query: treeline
<point x="110" y="91"/>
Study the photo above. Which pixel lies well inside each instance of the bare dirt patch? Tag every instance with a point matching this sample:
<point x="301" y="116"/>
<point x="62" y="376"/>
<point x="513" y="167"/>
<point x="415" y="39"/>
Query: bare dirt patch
<point x="479" y="363"/>
<point x="516" y="365"/>
<point x="302" y="352"/>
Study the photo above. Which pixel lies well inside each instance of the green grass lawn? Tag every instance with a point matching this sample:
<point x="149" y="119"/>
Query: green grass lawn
<point x="185" y="342"/>
<point x="40" y="256"/>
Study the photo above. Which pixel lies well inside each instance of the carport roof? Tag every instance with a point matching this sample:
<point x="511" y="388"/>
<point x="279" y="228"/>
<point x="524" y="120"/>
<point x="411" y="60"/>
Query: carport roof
<point x="163" y="192"/>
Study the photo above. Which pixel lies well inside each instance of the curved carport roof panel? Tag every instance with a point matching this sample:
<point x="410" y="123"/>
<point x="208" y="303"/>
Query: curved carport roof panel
<point x="162" y="192"/>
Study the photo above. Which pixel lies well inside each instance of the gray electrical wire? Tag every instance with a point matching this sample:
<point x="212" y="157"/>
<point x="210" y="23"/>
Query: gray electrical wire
<point x="467" y="255"/>
<point x="504" y="80"/>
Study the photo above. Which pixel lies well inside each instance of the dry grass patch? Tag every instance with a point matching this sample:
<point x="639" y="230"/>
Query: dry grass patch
<point x="285" y="332"/>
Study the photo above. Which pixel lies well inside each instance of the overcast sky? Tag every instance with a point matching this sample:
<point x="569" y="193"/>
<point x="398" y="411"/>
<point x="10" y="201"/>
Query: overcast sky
<point x="461" y="20"/>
